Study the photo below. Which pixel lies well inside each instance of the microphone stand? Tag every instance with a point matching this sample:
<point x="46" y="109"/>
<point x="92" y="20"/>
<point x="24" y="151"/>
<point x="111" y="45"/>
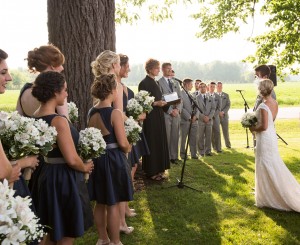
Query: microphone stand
<point x="246" y="107"/>
<point x="180" y="183"/>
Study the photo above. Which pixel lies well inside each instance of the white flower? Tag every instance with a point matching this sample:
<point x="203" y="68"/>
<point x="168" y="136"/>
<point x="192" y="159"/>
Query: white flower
<point x="73" y="112"/>
<point x="18" y="223"/>
<point x="145" y="100"/>
<point x="132" y="130"/>
<point x="91" y="143"/>
<point x="248" y="120"/>
<point x="22" y="136"/>
<point x="133" y="108"/>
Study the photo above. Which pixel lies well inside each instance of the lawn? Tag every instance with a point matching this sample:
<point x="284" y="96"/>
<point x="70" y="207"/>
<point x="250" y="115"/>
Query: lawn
<point x="222" y="211"/>
<point x="287" y="95"/>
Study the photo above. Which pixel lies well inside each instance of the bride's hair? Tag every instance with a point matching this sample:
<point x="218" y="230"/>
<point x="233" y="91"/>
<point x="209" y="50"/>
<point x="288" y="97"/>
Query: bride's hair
<point x="265" y="87"/>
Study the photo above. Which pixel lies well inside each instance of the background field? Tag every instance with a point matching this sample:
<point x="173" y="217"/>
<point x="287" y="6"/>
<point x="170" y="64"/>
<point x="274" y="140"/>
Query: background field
<point x="287" y="95"/>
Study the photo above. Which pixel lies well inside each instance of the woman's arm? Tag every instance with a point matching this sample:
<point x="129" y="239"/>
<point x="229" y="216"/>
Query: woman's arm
<point x="118" y="103"/>
<point x="5" y="166"/>
<point x="118" y="124"/>
<point x="263" y="125"/>
<point x="66" y="146"/>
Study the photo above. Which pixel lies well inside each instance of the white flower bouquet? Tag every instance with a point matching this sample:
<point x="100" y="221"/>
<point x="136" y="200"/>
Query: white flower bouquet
<point x="134" y="109"/>
<point x="145" y="100"/>
<point x="132" y="130"/>
<point x="91" y="144"/>
<point x="18" y="224"/>
<point x="23" y="136"/>
<point x="248" y="120"/>
<point x="72" y="112"/>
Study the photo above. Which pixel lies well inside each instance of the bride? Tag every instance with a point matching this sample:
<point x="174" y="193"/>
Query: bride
<point x="275" y="186"/>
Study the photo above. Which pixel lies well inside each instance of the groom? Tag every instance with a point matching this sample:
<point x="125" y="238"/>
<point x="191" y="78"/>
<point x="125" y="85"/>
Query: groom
<point x="262" y="72"/>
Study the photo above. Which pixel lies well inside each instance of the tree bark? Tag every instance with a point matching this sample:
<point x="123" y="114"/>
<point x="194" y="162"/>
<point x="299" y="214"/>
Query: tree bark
<point x="81" y="29"/>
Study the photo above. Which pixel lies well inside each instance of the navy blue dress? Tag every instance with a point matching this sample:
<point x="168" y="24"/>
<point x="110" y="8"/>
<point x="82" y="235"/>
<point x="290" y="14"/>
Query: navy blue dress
<point x="110" y="182"/>
<point x="63" y="202"/>
<point x="141" y="148"/>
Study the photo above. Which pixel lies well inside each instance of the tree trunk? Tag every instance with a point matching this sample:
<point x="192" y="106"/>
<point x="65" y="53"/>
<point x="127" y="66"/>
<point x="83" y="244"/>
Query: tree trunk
<point x="81" y="29"/>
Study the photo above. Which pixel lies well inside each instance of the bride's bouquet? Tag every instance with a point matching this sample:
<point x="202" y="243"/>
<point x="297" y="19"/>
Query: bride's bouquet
<point x="72" y="112"/>
<point x="248" y="120"/>
<point x="91" y="145"/>
<point x="24" y="136"/>
<point x="132" y="130"/>
<point x="134" y="109"/>
<point x="145" y="100"/>
<point x="18" y="224"/>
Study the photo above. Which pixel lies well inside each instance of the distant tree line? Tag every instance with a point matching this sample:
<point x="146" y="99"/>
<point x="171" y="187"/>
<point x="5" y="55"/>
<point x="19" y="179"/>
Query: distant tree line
<point x="227" y="72"/>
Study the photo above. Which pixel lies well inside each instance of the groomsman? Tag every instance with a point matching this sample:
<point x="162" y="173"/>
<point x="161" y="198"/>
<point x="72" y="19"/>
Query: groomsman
<point x="216" y="134"/>
<point x="188" y="109"/>
<point x="224" y="118"/>
<point x="172" y="115"/>
<point x="207" y="106"/>
<point x="197" y="87"/>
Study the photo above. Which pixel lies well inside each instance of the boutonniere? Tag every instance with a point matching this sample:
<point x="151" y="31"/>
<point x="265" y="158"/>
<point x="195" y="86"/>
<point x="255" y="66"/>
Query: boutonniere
<point x="209" y="100"/>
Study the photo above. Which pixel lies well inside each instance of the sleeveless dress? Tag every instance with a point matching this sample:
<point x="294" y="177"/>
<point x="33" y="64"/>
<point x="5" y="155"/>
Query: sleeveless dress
<point x="110" y="182"/>
<point x="21" y="186"/>
<point x="63" y="202"/>
<point x="275" y="186"/>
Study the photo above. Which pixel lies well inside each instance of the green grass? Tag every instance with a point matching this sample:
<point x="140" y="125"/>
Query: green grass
<point x="224" y="213"/>
<point x="287" y="95"/>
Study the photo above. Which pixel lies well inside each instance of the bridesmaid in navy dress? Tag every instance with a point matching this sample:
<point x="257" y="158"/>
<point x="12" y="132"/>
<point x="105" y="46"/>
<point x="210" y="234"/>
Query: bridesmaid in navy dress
<point x="110" y="183"/>
<point x="63" y="202"/>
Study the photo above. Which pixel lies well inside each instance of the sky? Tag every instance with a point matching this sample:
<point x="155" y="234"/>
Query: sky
<point x="25" y="27"/>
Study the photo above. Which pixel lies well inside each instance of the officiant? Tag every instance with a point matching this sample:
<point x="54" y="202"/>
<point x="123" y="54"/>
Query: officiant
<point x="172" y="115"/>
<point x="155" y="164"/>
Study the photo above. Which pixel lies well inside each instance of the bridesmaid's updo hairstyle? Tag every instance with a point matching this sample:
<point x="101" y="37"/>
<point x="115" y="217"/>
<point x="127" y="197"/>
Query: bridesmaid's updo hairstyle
<point x="103" y="86"/>
<point x="40" y="58"/>
<point x="47" y="84"/>
<point x="150" y="64"/>
<point x="265" y="87"/>
<point x="103" y="63"/>
<point x="3" y="55"/>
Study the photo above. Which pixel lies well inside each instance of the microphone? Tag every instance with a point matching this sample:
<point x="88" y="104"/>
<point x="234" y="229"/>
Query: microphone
<point x="176" y="79"/>
<point x="238" y="90"/>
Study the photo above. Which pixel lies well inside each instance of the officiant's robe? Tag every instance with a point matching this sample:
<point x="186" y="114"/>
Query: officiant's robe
<point x="155" y="131"/>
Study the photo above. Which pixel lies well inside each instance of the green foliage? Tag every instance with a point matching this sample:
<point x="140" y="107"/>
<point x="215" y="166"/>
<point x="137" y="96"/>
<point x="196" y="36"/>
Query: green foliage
<point x="279" y="46"/>
<point x="20" y="76"/>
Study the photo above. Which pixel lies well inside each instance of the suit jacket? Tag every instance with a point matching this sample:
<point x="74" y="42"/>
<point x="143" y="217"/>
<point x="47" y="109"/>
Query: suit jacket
<point x="187" y="109"/>
<point x="225" y="102"/>
<point x="165" y="89"/>
<point x="207" y="109"/>
<point x="217" y="100"/>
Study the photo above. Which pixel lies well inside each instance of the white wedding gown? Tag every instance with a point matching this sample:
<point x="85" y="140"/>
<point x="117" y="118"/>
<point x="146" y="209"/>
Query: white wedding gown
<point x="275" y="186"/>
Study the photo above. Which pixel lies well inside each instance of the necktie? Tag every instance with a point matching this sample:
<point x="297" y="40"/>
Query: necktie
<point x="170" y="84"/>
<point x="204" y="99"/>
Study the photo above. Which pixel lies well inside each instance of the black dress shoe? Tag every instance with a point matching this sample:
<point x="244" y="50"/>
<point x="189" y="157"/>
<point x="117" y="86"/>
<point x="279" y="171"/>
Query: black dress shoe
<point x="173" y="161"/>
<point x="202" y="155"/>
<point x="208" y="154"/>
<point x="219" y="151"/>
<point x="195" y="158"/>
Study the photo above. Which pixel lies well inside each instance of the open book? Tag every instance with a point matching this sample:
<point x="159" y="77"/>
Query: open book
<point x="171" y="98"/>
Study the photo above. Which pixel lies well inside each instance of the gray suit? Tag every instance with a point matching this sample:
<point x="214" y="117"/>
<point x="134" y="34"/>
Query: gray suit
<point x="216" y="133"/>
<point x="204" y="129"/>
<point x="185" y="125"/>
<point x="172" y="123"/>
<point x="225" y="106"/>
